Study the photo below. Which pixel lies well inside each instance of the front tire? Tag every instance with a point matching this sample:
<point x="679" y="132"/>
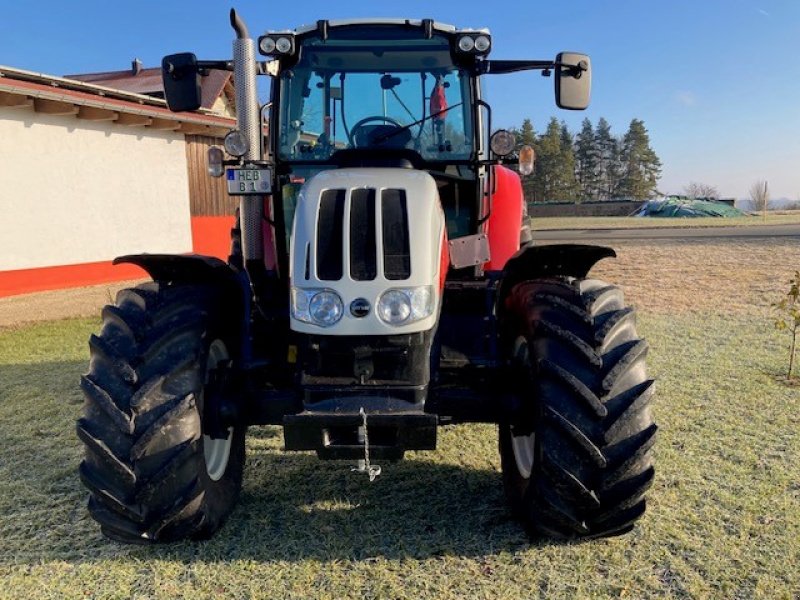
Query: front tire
<point x="151" y="473"/>
<point x="577" y="460"/>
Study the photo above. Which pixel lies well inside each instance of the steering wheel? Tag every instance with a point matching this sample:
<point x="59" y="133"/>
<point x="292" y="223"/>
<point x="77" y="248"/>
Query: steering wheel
<point x="354" y="129"/>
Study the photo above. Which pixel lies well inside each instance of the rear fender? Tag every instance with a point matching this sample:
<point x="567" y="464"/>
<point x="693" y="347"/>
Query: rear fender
<point x="532" y="262"/>
<point x="197" y="269"/>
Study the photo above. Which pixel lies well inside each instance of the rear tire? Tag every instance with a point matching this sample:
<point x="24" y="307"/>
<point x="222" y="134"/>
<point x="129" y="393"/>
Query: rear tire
<point x="577" y="462"/>
<point x="151" y="473"/>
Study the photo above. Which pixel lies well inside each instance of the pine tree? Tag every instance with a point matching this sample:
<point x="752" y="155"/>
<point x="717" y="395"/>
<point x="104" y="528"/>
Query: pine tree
<point x="546" y="173"/>
<point x="526" y="135"/>
<point x="567" y="180"/>
<point x="587" y="159"/>
<point x="554" y="178"/>
<point x="608" y="151"/>
<point x="609" y="172"/>
<point x="641" y="166"/>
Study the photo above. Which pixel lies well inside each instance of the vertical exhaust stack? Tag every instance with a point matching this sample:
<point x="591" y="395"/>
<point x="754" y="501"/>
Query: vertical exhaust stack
<point x="248" y="116"/>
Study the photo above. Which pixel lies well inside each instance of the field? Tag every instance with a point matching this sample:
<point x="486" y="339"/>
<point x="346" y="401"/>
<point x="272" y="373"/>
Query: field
<point x="723" y="518"/>
<point x="773" y="218"/>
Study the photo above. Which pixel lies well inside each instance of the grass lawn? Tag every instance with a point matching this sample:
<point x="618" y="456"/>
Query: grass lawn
<point x="547" y="223"/>
<point x="723" y="518"/>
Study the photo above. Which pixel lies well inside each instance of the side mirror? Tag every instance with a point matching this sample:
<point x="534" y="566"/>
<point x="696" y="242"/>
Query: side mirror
<point x="573" y="75"/>
<point x="181" y="81"/>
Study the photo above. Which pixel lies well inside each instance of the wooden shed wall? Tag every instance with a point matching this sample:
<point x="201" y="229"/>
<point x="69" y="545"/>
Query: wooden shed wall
<point x="208" y="196"/>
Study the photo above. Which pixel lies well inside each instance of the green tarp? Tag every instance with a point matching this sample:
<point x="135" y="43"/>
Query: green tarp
<point x="679" y="206"/>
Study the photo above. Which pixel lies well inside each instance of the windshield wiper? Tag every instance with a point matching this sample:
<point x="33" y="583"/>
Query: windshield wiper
<point x="385" y="136"/>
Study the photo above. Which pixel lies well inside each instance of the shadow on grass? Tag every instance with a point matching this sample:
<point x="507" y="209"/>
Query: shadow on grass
<point x="293" y="506"/>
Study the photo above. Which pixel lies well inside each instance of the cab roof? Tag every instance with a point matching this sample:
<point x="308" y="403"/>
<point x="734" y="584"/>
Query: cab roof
<point x="437" y="26"/>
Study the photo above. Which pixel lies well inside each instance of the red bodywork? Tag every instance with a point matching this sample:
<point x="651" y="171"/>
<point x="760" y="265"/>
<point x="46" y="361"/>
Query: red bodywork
<point x="505" y="220"/>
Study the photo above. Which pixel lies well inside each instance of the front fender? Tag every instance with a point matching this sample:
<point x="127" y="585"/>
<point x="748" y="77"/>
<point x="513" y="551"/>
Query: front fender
<point x="532" y="262"/>
<point x="233" y="286"/>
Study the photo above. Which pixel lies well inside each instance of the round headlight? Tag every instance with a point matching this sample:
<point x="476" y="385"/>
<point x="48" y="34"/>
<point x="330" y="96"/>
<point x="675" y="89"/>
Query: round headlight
<point x="503" y="142"/>
<point x="326" y="308"/>
<point x="466" y="43"/>
<point x="236" y="144"/>
<point x="283" y="45"/>
<point x="394" y="307"/>
<point x="482" y="43"/>
<point x="267" y="45"/>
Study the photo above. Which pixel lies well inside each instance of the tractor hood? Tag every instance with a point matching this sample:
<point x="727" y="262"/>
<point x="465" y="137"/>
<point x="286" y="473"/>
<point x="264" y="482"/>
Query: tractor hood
<point x="367" y="252"/>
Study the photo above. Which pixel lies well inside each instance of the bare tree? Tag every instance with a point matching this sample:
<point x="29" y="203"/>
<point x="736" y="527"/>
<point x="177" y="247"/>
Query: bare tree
<point x="759" y="196"/>
<point x="701" y="190"/>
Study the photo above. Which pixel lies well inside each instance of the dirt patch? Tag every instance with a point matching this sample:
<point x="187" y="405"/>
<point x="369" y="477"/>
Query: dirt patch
<point x="58" y="304"/>
<point x="720" y="276"/>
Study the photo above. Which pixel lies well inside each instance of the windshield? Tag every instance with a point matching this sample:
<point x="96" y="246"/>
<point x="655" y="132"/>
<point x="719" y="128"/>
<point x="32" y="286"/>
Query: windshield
<point x="375" y="93"/>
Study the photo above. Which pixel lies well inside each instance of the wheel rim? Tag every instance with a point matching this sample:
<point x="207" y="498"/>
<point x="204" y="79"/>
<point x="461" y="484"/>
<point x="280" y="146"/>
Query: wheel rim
<point x="523" y="445"/>
<point x="216" y="452"/>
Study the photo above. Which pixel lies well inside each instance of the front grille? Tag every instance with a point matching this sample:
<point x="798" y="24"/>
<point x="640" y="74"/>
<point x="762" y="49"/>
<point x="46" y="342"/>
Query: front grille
<point x="396" y="252"/>
<point x="329" y="235"/>
<point x="362" y="260"/>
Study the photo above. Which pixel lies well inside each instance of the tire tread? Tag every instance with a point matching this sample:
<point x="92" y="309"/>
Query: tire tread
<point x="141" y="428"/>
<point x="594" y="431"/>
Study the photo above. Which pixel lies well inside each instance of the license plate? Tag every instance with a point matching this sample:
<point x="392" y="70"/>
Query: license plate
<point x="248" y="181"/>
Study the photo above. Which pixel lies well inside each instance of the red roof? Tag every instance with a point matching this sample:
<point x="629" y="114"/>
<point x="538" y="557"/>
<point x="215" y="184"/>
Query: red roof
<point x="30" y="87"/>
<point x="148" y="82"/>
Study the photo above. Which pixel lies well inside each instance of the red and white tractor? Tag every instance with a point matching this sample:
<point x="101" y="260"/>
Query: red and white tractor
<point x="382" y="282"/>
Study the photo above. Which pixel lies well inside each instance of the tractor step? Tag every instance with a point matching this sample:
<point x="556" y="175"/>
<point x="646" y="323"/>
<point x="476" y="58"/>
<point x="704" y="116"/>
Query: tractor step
<point x="337" y="436"/>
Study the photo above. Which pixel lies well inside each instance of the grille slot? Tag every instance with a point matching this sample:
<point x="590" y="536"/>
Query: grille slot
<point x="330" y="232"/>
<point x="307" y="271"/>
<point x="363" y="253"/>
<point x="396" y="254"/>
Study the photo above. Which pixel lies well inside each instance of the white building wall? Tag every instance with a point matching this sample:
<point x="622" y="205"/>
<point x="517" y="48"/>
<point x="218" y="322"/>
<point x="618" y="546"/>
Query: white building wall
<point x="77" y="191"/>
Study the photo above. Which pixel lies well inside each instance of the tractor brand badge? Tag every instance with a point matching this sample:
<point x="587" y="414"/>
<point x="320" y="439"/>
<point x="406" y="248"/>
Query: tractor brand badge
<point x="359" y="307"/>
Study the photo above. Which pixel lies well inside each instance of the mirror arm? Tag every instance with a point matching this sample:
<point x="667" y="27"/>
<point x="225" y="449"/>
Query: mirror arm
<point x="202" y="67"/>
<point x="500" y="67"/>
<point x="222" y="65"/>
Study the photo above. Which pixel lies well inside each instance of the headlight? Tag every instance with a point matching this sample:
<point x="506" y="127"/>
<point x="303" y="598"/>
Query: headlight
<point x="466" y="43"/>
<point x="320" y="307"/>
<point x="326" y="308"/>
<point x="276" y="44"/>
<point x="502" y="142"/>
<point x="394" y="307"/>
<point x="405" y="305"/>
<point x="482" y="43"/>
<point x="266" y="45"/>
<point x="283" y="45"/>
<point x="236" y="143"/>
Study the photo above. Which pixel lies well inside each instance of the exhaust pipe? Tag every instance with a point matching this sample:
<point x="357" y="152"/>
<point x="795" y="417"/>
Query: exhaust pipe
<point x="248" y="117"/>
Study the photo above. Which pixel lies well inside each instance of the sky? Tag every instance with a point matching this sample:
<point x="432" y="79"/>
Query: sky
<point x="716" y="82"/>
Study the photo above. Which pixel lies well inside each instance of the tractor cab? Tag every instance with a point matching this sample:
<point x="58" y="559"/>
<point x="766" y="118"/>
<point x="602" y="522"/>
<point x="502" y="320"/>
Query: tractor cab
<point x="394" y="93"/>
<point x="379" y="94"/>
<point x="376" y="87"/>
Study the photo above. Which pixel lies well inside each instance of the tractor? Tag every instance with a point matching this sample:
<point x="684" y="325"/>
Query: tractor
<point x="382" y="282"/>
